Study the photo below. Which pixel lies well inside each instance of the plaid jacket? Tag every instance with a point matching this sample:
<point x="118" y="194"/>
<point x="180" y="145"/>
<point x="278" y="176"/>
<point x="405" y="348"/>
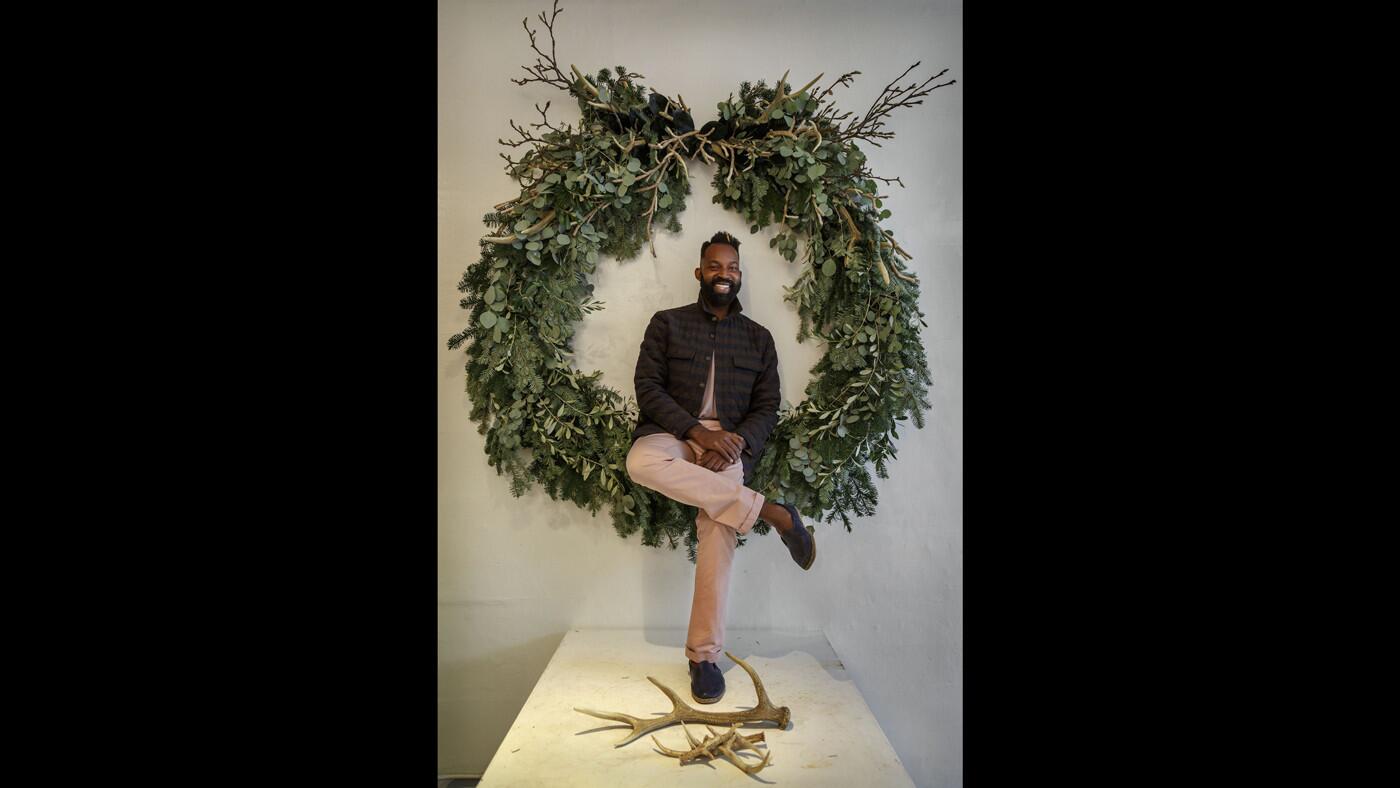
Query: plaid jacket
<point x="674" y="366"/>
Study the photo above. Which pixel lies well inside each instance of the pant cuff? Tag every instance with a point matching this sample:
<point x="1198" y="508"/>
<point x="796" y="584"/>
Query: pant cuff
<point x="751" y="516"/>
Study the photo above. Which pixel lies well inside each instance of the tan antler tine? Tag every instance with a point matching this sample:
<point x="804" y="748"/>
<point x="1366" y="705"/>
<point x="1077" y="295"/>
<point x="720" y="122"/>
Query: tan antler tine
<point x="667" y="750"/>
<point x="682" y="712"/>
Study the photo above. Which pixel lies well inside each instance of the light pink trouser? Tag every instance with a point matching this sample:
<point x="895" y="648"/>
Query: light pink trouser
<point x="666" y="464"/>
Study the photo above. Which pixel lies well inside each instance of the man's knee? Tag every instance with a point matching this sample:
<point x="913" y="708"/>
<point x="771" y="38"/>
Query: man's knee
<point x="639" y="464"/>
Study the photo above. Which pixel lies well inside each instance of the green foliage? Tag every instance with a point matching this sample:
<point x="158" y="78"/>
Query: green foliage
<point x="601" y="189"/>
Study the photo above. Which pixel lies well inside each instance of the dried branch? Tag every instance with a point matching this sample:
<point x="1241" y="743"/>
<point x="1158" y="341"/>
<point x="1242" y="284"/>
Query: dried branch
<point x="870" y="127"/>
<point x="512" y="238"/>
<point x="855" y="233"/>
<point x="866" y="173"/>
<point x="525" y="137"/>
<point x="546" y="68"/>
<point x="765" y="711"/>
<point x="544" y="121"/>
<point x="844" y="80"/>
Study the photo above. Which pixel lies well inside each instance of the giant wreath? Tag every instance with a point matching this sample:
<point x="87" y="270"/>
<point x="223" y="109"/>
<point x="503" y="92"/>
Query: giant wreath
<point x="781" y="156"/>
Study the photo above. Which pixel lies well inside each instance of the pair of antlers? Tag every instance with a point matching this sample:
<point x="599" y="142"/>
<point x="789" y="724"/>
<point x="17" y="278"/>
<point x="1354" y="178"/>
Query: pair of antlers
<point x="719" y="745"/>
<point x="682" y="712"/>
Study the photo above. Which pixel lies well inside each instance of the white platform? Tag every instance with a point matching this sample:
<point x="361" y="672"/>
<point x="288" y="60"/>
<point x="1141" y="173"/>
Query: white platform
<point x="833" y="739"/>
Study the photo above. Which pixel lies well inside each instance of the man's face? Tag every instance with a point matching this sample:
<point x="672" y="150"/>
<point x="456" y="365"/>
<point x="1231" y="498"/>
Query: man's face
<point x="719" y="274"/>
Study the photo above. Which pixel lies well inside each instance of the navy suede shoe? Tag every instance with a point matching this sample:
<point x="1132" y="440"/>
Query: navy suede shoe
<point x="801" y="545"/>
<point x="706" y="682"/>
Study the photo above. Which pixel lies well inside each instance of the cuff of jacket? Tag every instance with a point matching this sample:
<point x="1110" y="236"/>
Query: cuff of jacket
<point x="681" y="433"/>
<point x="749" y="443"/>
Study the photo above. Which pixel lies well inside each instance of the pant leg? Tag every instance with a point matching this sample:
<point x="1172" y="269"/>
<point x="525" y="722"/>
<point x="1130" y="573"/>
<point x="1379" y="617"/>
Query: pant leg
<point x="664" y="463"/>
<point x="714" y="560"/>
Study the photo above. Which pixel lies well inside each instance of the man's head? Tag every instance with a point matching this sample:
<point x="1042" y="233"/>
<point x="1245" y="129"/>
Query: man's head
<point x="719" y="274"/>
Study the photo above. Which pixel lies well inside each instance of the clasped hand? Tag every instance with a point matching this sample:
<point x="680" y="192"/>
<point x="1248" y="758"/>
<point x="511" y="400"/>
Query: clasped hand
<point x="721" y="447"/>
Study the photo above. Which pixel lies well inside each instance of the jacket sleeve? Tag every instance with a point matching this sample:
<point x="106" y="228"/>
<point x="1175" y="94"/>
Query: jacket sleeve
<point x="762" y="417"/>
<point x="650" y="380"/>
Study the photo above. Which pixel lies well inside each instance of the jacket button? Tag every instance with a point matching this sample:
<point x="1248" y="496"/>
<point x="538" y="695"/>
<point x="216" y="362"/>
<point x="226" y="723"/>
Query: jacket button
<point x="712" y="336"/>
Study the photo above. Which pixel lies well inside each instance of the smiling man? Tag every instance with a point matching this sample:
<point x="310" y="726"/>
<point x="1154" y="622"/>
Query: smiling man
<point x="707" y="390"/>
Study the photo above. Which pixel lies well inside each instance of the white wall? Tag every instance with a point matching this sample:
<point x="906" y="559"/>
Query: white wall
<point x="515" y="574"/>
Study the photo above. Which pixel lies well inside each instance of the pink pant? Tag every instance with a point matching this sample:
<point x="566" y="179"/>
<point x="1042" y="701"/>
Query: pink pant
<point x="666" y="464"/>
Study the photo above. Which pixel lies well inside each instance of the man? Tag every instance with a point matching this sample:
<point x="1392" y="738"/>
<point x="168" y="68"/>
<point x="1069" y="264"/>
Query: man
<point x="707" y="391"/>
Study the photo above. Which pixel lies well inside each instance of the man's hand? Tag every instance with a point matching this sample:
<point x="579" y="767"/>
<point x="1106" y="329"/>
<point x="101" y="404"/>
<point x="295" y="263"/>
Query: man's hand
<point x="725" y="443"/>
<point x="712" y="460"/>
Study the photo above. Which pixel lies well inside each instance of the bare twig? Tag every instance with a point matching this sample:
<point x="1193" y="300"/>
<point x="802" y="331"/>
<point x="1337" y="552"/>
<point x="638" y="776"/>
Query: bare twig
<point x="844" y="80"/>
<point x="546" y="68"/>
<point x="544" y="120"/>
<point x="526" y="137"/>
<point x="870" y="127"/>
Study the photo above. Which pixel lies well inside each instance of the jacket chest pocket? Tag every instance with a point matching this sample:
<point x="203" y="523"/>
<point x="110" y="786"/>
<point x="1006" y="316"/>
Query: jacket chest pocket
<point x="680" y="366"/>
<point x="745" y="373"/>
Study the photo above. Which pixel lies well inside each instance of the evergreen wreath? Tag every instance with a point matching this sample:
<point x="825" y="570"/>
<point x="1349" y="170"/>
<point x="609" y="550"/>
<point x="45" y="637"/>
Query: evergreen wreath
<point x="600" y="189"/>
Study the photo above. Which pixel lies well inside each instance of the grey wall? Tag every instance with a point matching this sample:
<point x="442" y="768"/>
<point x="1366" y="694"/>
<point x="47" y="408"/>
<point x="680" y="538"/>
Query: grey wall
<point x="515" y="574"/>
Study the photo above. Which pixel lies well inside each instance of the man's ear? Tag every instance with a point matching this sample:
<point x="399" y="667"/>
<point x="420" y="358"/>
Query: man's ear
<point x="697" y="276"/>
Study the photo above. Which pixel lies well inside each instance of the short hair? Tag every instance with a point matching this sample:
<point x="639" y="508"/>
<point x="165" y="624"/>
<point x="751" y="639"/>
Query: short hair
<point x="720" y="237"/>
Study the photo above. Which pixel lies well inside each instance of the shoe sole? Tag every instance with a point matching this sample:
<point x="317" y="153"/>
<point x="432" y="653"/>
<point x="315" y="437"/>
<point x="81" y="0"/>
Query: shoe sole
<point x="711" y="700"/>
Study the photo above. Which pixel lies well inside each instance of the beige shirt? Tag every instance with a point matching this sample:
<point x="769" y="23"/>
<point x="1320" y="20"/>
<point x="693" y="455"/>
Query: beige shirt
<point x="707" y="406"/>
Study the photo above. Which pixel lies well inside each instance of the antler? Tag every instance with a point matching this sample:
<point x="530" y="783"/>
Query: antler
<point x="719" y="745"/>
<point x="681" y="712"/>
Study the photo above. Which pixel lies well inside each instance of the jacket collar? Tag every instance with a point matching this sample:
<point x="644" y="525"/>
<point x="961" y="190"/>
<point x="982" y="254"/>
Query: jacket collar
<point x="734" y="307"/>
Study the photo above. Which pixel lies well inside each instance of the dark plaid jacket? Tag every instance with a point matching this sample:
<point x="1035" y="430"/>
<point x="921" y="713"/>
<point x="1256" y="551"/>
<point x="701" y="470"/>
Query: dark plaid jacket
<point x="674" y="365"/>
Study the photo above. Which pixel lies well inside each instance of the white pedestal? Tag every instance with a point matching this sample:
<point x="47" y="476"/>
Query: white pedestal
<point x="833" y="739"/>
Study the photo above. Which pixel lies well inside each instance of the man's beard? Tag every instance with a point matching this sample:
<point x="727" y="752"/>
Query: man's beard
<point x="707" y="291"/>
